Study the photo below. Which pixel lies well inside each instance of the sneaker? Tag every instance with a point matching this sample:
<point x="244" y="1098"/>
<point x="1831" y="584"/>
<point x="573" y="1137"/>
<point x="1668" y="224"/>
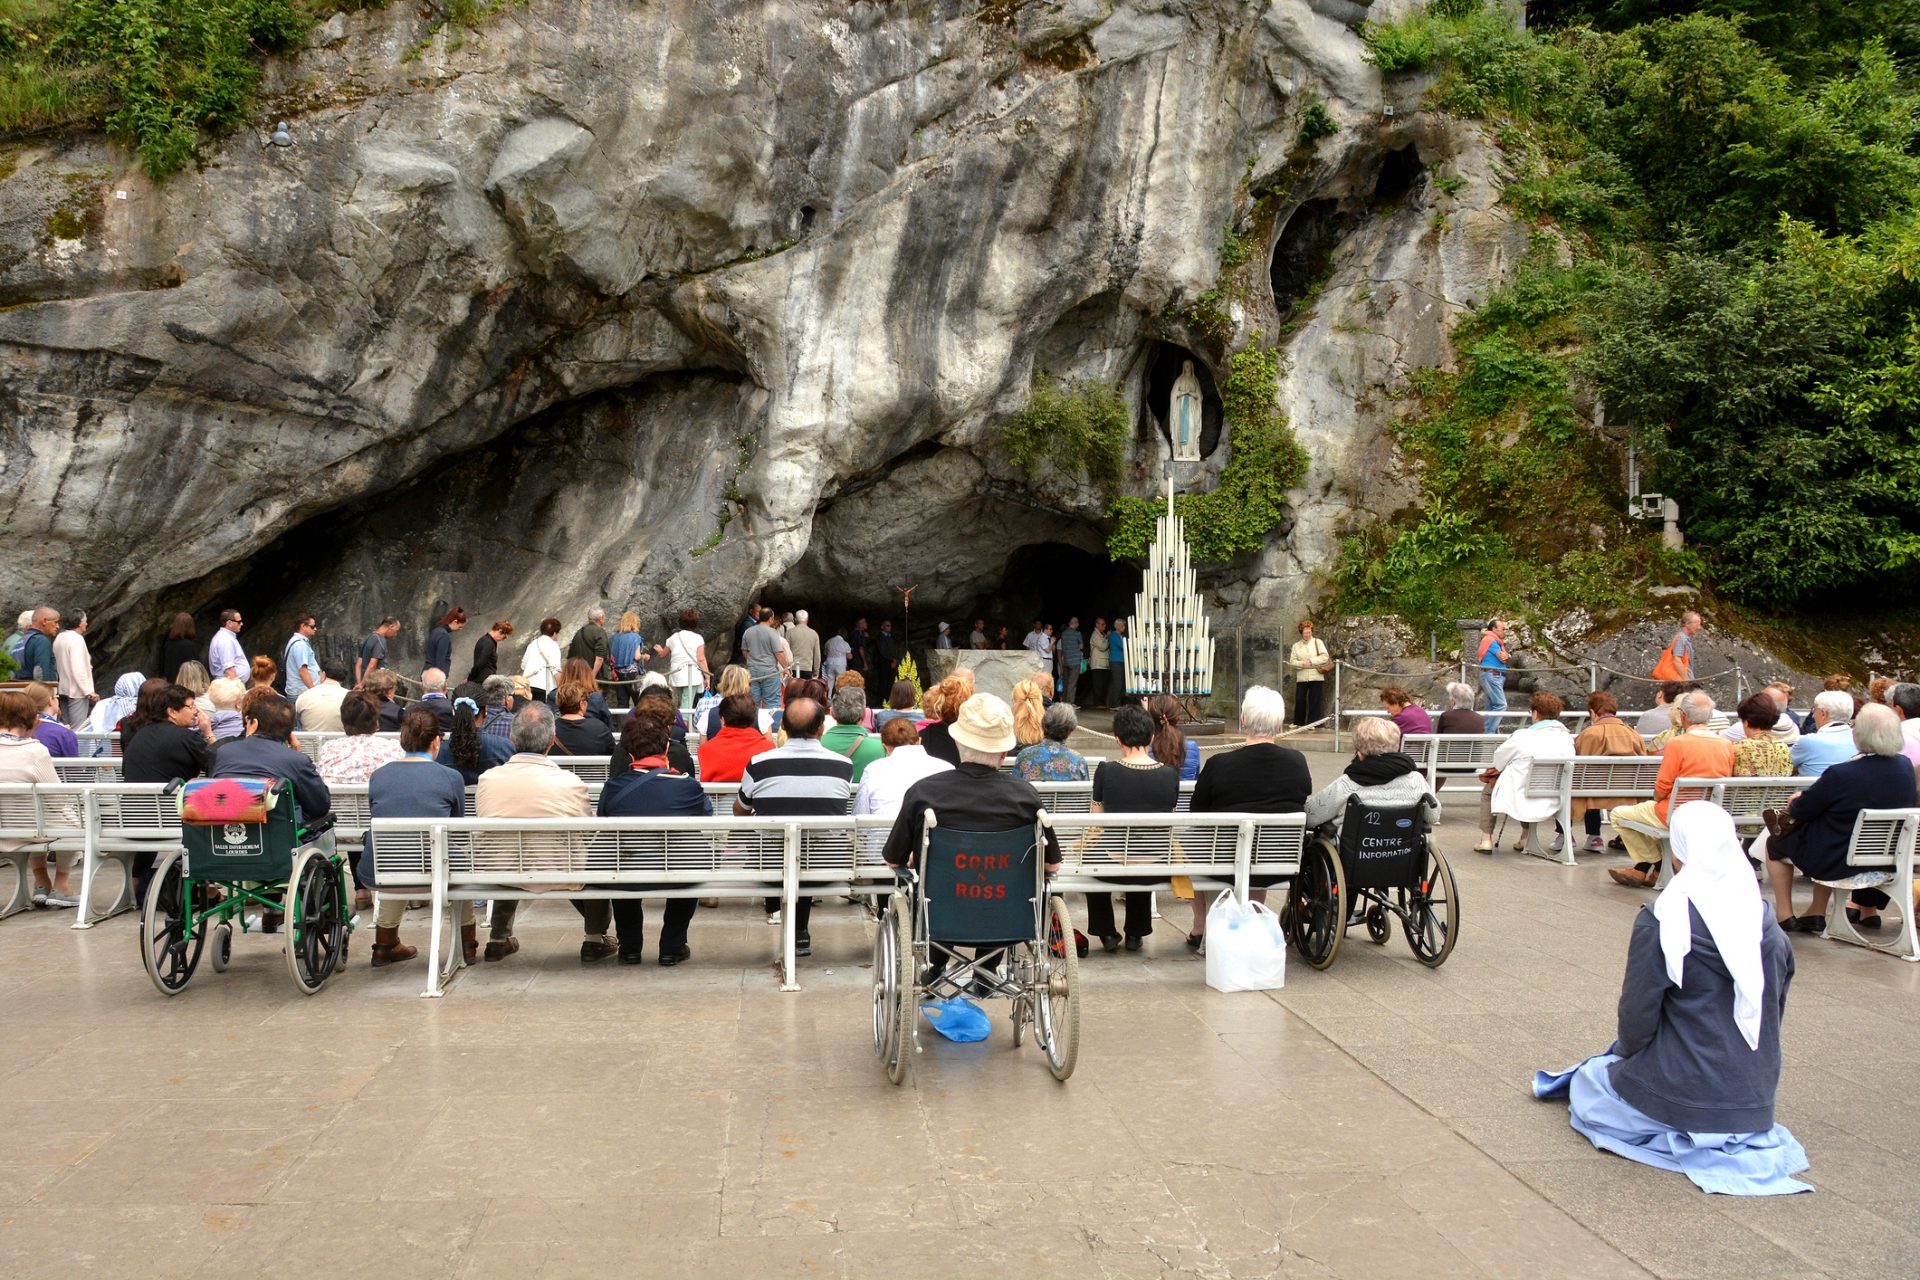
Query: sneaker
<point x="802" y="945"/>
<point x="39" y="899"/>
<point x="55" y="898"/>
<point x="1593" y="844"/>
<point x="773" y="918"/>
<point x="596" y="949"/>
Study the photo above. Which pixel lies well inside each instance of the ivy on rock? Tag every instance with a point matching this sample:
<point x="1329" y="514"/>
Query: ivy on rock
<point x="1265" y="461"/>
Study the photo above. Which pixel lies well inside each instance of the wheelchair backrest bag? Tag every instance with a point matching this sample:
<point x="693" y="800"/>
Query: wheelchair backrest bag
<point x="220" y="802"/>
<point x="980" y="885"/>
<point x="1381" y="848"/>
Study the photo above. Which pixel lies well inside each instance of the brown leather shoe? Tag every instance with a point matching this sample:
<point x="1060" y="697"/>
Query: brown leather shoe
<point x="388" y="949"/>
<point x="470" y="942"/>
<point x="1638" y="876"/>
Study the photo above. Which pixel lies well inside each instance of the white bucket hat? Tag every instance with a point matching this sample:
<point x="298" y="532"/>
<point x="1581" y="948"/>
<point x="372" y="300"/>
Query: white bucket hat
<point x="985" y="724"/>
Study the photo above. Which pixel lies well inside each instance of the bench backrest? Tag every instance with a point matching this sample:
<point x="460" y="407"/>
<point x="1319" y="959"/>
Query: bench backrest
<point x="38" y="812"/>
<point x="1881" y="836"/>
<point x="1744" y="799"/>
<point x="1593" y="776"/>
<point x="555" y="850"/>
<point x="87" y="768"/>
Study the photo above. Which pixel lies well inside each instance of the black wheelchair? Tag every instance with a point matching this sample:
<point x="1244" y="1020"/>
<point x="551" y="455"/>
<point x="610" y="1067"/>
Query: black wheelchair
<point x="241" y="848"/>
<point x="1382" y="862"/>
<point x="986" y="890"/>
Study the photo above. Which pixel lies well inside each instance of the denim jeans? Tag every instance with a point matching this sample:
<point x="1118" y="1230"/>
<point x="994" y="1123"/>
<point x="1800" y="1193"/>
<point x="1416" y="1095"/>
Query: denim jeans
<point x="1493" y="690"/>
<point x="766" y="692"/>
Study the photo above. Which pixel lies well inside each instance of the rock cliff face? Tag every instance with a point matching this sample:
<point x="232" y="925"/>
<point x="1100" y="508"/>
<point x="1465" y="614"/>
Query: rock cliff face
<point x="664" y="304"/>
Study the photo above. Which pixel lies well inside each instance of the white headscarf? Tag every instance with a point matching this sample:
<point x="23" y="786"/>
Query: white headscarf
<point x="109" y="712"/>
<point x="1716" y="878"/>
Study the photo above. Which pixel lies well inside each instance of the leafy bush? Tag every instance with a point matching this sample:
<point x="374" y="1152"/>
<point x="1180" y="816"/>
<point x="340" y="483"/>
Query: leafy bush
<point x="1316" y="122"/>
<point x="1250" y="501"/>
<point x="1077" y="427"/>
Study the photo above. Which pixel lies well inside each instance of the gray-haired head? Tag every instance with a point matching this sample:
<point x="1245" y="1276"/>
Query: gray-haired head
<point x="1696" y="707"/>
<point x="1905" y="698"/>
<point x="532" y="728"/>
<point x="1059" y="722"/>
<point x="597" y="615"/>
<point x="848" y="704"/>
<point x="495" y="690"/>
<point x="1837" y="703"/>
<point x="1876" y="731"/>
<point x="653" y="679"/>
<point x="1375" y="736"/>
<point x="800" y="615"/>
<point x="433" y="680"/>
<point x="1263" y="712"/>
<point x="1459" y="696"/>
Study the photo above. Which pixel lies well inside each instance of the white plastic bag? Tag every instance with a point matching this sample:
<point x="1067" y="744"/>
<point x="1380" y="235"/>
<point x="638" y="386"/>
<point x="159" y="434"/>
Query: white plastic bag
<point x="1246" y="949"/>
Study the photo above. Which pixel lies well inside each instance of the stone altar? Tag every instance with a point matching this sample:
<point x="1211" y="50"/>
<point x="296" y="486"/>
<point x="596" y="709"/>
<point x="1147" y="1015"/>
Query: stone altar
<point x="995" y="671"/>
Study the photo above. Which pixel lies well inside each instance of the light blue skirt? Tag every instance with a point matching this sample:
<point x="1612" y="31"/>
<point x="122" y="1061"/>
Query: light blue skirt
<point x="1733" y="1164"/>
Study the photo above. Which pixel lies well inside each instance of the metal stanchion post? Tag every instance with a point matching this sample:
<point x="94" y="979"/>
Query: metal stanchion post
<point x="1339" y="663"/>
<point x="1593" y="677"/>
<point x="1739" y="685"/>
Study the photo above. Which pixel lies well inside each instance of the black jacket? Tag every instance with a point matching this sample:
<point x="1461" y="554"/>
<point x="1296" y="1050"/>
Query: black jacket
<point x="1828" y="807"/>
<point x="973" y="797"/>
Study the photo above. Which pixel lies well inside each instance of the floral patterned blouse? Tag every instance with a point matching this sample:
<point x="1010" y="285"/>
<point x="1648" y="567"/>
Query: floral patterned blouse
<point x="1762" y="758"/>
<point x="1050" y="761"/>
<point x="346" y="761"/>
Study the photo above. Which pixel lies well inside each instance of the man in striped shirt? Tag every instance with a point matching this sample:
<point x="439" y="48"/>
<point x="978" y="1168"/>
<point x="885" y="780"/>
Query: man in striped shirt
<point x="803" y="780"/>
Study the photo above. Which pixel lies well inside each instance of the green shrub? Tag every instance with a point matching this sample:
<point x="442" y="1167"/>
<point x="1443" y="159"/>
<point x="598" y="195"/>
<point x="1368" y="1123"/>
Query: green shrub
<point x="1076" y="427"/>
<point x="1316" y="122"/>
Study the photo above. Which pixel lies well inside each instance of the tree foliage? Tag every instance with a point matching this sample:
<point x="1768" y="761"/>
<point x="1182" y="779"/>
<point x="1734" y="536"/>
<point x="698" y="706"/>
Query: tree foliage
<point x="1740" y="183"/>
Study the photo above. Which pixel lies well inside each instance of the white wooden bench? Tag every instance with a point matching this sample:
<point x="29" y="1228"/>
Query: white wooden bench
<point x="1879" y="855"/>
<point x="1744" y="799"/>
<point x="755" y="857"/>
<point x="1453" y="755"/>
<point x="83" y="769"/>
<point x="1585" y="778"/>
<point x="39" y="819"/>
<point x="123" y="820"/>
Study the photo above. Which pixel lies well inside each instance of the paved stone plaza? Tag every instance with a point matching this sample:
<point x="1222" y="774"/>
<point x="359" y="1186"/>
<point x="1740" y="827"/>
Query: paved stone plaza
<point x="550" y="1119"/>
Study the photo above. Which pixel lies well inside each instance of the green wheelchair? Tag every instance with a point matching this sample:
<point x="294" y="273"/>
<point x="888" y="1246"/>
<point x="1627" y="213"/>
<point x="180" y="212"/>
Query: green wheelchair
<point x="242" y="848"/>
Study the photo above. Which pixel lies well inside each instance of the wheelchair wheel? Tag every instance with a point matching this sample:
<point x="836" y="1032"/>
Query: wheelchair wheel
<point x="1056" y="997"/>
<point x="906" y="1005"/>
<point x="1432" y="921"/>
<point x="169" y="953"/>
<point x="1316" y="905"/>
<point x="222" y="947"/>
<point x="1378" y="928"/>
<point x="316" y="926"/>
<point x="887" y="975"/>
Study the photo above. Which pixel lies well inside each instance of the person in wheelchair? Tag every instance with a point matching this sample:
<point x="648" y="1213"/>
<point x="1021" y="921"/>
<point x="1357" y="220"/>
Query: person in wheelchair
<point x="1380" y="776"/>
<point x="267" y="752"/>
<point x="977" y="796"/>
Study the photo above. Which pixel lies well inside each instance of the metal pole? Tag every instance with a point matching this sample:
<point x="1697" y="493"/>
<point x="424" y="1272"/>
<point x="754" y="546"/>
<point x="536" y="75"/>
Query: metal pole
<point x="1593" y="677"/>
<point x="1739" y="686"/>
<point x="1337" y="665"/>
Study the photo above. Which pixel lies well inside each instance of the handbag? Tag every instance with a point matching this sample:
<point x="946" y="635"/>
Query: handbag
<point x="1246" y="948"/>
<point x="1668" y="668"/>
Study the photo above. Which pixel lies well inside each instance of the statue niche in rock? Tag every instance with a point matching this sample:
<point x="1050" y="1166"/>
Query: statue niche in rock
<point x="1183" y="415"/>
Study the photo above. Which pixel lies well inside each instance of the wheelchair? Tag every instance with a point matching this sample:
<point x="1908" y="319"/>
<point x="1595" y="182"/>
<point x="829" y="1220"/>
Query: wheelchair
<point x="1382" y="864"/>
<point x="241" y="849"/>
<point x="986" y="890"/>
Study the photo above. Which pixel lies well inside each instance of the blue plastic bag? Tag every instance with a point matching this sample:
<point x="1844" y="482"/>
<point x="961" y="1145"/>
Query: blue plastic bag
<point x="958" y="1019"/>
